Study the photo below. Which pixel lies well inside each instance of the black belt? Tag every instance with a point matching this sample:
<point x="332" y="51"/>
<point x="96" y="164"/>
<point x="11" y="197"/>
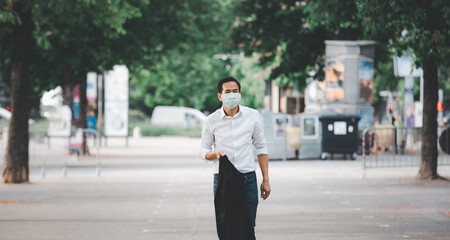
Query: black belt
<point x="246" y="174"/>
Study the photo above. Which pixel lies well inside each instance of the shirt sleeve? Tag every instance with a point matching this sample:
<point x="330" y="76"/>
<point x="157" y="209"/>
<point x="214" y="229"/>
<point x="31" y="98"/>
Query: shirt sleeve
<point x="207" y="140"/>
<point x="259" y="141"/>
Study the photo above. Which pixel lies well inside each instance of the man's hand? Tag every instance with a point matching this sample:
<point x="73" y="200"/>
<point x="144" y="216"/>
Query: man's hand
<point x="263" y="160"/>
<point x="213" y="155"/>
<point x="219" y="153"/>
<point x="265" y="190"/>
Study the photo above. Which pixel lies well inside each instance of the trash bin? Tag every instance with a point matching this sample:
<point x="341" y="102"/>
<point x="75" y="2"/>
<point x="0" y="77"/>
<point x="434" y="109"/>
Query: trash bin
<point x="339" y="135"/>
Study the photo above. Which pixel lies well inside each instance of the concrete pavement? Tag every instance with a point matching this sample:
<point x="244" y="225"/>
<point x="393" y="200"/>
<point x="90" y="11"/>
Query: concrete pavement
<point x="159" y="189"/>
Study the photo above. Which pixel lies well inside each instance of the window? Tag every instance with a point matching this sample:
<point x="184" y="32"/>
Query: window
<point x="309" y="127"/>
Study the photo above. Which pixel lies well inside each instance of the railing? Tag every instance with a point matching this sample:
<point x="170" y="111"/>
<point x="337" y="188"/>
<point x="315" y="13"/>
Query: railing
<point x="45" y="151"/>
<point x="389" y="146"/>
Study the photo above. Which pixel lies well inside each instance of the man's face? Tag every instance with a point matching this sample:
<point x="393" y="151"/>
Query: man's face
<point x="228" y="87"/>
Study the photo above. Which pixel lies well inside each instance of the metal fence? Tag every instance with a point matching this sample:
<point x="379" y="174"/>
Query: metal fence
<point x="389" y="146"/>
<point x="58" y="152"/>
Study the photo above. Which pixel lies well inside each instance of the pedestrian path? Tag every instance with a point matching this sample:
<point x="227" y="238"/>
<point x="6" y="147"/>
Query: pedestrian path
<point x="166" y="193"/>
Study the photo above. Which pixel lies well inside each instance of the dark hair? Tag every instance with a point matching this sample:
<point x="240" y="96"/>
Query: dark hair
<point x="227" y="79"/>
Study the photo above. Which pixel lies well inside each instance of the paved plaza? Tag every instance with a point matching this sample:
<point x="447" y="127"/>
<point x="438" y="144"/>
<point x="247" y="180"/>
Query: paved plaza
<point x="158" y="188"/>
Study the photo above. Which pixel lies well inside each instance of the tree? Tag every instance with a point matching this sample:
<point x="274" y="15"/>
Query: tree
<point x="420" y="26"/>
<point x="21" y="41"/>
<point x="99" y="34"/>
<point x="298" y="30"/>
<point x="34" y="37"/>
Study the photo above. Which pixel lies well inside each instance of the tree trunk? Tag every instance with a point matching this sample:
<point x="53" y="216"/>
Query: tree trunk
<point x="16" y="158"/>
<point x="83" y="115"/>
<point x="67" y="83"/>
<point x="429" y="153"/>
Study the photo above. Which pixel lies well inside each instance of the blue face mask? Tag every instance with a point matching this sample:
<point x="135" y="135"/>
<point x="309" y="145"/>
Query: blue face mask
<point x="231" y="100"/>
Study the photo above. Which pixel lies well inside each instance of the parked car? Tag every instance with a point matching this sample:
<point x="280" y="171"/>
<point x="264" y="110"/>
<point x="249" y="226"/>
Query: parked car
<point x="5" y="115"/>
<point x="179" y="117"/>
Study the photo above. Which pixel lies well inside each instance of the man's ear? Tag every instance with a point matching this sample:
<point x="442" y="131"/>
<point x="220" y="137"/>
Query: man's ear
<point x="219" y="96"/>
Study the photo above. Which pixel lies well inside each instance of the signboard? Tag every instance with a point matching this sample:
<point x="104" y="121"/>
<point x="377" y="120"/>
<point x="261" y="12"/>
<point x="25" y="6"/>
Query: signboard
<point x="404" y="66"/>
<point x="116" y="119"/>
<point x="116" y="102"/>
<point x="365" y="81"/>
<point x="340" y="128"/>
<point x="418" y="114"/>
<point x="116" y="84"/>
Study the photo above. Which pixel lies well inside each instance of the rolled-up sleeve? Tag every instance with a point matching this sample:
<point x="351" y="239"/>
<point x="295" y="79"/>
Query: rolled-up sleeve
<point x="259" y="141"/>
<point x="207" y="141"/>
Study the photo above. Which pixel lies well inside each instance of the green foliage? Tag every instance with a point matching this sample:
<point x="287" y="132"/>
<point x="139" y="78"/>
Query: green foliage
<point x="252" y="79"/>
<point x="187" y="74"/>
<point x="384" y="78"/>
<point x="421" y="26"/>
<point x="291" y="34"/>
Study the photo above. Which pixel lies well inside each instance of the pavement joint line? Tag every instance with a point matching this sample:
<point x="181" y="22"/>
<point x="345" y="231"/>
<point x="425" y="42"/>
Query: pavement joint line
<point x="383" y="225"/>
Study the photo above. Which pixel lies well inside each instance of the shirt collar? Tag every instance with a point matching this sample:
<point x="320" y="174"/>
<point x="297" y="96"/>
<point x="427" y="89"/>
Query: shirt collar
<point x="222" y="112"/>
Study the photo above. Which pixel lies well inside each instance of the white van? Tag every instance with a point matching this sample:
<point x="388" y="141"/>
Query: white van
<point x="5" y="115"/>
<point x="179" y="117"/>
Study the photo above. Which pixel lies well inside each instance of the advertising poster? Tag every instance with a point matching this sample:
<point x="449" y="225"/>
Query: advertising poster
<point x="279" y="126"/>
<point x="365" y="81"/>
<point x="116" y="119"/>
<point x="366" y="118"/>
<point x="116" y="102"/>
<point x="333" y="86"/>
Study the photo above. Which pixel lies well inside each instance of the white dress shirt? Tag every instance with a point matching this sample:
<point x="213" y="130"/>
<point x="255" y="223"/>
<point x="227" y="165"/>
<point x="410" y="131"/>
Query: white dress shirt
<point x="235" y="136"/>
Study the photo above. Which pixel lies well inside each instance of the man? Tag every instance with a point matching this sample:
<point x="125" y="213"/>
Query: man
<point x="233" y="130"/>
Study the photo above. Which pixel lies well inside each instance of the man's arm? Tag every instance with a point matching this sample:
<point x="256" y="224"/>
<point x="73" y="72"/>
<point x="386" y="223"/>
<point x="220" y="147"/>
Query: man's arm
<point x="259" y="141"/>
<point x="264" y="166"/>
<point x="207" y="141"/>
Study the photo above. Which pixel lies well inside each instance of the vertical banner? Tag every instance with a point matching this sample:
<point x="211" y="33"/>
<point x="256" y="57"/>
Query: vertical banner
<point x="365" y="81"/>
<point x="91" y="96"/>
<point x="91" y="87"/>
<point x="116" y="102"/>
<point x="76" y="102"/>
